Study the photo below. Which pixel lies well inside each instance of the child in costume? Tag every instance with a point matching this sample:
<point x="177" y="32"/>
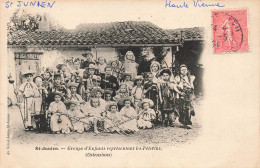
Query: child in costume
<point x="137" y="91"/>
<point x="98" y="93"/>
<point x="108" y="95"/>
<point x="166" y="96"/>
<point x="111" y="118"/>
<point x="147" y="114"/>
<point x="127" y="80"/>
<point x="108" y="81"/>
<point x="75" y="116"/>
<point x="77" y="74"/>
<point x="130" y="66"/>
<point x="57" y="85"/>
<point x="47" y="80"/>
<point x="101" y="64"/>
<point x="88" y="80"/>
<point x="116" y="67"/>
<point x="122" y="92"/>
<point x="73" y="96"/>
<point x="40" y="104"/>
<point x="184" y="88"/>
<point x="65" y="73"/>
<point x="28" y="90"/>
<point x="92" y="114"/>
<point x="151" y="91"/>
<point x="77" y="77"/>
<point x="129" y="115"/>
<point x="96" y="80"/>
<point x="59" y="121"/>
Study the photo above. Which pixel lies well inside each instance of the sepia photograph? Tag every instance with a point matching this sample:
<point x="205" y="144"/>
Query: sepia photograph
<point x="129" y="80"/>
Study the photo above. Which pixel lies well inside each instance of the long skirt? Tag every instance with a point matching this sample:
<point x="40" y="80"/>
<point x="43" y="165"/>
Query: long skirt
<point x="63" y="126"/>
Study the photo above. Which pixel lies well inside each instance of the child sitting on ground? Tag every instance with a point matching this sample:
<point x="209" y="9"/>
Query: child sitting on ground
<point x="93" y="114"/>
<point x="75" y="116"/>
<point x="147" y="115"/>
<point x="111" y="118"/>
<point x="59" y="122"/>
<point x="129" y="115"/>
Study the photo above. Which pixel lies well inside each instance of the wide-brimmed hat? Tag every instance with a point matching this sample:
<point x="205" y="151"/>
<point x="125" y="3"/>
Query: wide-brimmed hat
<point x="95" y="90"/>
<point x="72" y="84"/>
<point x="149" y="101"/>
<point x="165" y="70"/>
<point x="27" y="72"/>
<point x="121" y="101"/>
<point x="60" y="65"/>
<point x="110" y="104"/>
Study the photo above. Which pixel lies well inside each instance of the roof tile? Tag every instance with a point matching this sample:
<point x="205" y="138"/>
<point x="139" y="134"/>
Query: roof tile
<point x="130" y="32"/>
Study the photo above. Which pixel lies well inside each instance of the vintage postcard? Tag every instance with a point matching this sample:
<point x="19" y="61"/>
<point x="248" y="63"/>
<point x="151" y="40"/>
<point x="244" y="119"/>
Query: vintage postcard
<point x="120" y="83"/>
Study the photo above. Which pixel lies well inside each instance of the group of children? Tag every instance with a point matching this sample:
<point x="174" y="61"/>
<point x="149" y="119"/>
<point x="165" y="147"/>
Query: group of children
<point x="106" y="97"/>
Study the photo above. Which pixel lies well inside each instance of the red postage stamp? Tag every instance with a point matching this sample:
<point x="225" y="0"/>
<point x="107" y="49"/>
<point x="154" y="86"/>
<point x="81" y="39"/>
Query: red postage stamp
<point x="230" y="31"/>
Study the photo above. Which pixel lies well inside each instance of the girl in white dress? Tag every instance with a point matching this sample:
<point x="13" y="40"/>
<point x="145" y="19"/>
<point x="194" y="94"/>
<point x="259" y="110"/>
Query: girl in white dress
<point x="75" y="116"/>
<point x="129" y="116"/>
<point x="147" y="115"/>
<point x="112" y="118"/>
<point x="98" y="93"/>
<point x="59" y="116"/>
<point x="130" y="66"/>
<point x="92" y="112"/>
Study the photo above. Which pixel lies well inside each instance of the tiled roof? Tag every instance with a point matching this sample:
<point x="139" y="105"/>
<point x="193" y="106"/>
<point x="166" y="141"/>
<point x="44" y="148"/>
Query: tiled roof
<point x="196" y="33"/>
<point x="115" y="33"/>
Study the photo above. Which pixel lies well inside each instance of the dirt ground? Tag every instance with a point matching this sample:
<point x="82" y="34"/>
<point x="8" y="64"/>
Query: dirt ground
<point x="163" y="136"/>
